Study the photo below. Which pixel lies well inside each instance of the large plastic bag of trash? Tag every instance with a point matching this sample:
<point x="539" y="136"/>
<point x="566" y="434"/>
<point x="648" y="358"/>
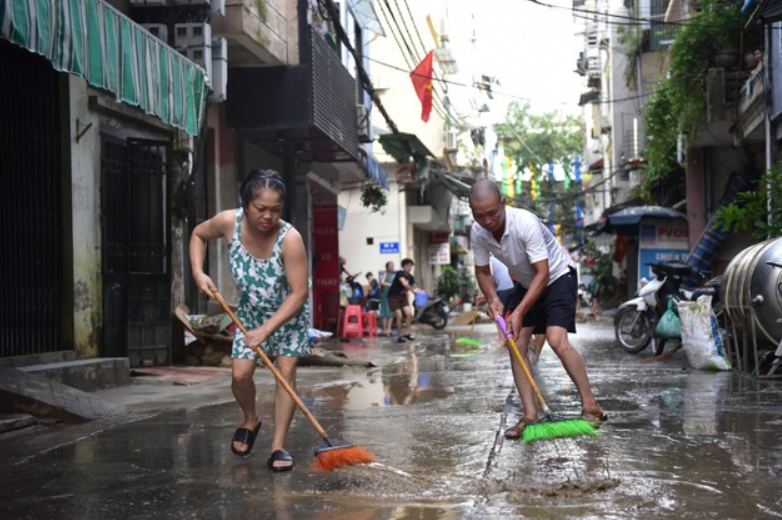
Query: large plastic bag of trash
<point x="669" y="326"/>
<point x="701" y="337"/>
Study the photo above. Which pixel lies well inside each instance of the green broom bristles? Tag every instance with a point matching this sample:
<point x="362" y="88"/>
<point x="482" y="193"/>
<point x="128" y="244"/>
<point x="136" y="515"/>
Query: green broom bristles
<point x="543" y="431"/>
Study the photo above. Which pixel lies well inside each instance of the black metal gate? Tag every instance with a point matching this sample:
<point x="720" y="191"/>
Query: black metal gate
<point x="31" y="206"/>
<point x="136" y="251"/>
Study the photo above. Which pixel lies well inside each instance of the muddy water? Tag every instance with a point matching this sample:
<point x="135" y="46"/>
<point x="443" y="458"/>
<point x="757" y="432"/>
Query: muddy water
<point x="678" y="444"/>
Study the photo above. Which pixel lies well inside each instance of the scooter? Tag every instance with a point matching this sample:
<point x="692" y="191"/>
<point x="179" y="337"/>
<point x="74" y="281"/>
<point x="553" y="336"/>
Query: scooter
<point x="434" y="313"/>
<point x="636" y="320"/>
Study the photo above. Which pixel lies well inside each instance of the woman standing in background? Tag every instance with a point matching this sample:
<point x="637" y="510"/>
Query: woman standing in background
<point x="386" y="314"/>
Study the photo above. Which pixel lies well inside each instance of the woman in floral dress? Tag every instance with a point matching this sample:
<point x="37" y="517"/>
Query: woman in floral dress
<point x="269" y="265"/>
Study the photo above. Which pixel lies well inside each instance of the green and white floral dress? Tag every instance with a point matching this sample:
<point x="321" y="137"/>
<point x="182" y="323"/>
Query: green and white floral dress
<point x="263" y="287"/>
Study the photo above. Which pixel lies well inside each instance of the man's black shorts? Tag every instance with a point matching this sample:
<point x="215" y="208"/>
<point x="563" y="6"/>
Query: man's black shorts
<point x="556" y="306"/>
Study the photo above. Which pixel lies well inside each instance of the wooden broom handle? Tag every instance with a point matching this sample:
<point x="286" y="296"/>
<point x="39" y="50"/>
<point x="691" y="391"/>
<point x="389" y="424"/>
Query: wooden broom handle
<point x="280" y="380"/>
<point x="517" y="354"/>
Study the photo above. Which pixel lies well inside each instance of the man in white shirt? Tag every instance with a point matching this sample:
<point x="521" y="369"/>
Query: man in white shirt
<point x="544" y="301"/>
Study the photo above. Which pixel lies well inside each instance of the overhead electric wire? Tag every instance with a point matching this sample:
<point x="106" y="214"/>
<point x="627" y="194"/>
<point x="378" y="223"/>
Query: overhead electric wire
<point x="636" y="19"/>
<point x="436" y="102"/>
<point x="365" y="80"/>
<point x="413" y="52"/>
<point x="417" y="32"/>
<point x="500" y="93"/>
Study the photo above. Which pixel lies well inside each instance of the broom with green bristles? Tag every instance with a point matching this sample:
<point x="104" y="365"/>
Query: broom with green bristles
<point x="550" y="426"/>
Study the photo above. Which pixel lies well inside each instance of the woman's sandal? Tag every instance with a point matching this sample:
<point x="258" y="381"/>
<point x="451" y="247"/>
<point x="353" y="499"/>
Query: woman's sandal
<point x="247" y="436"/>
<point x="594" y="416"/>
<point x="514" y="432"/>
<point x="279" y="455"/>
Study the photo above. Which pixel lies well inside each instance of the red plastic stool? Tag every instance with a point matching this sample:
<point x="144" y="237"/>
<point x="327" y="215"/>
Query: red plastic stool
<point x="369" y="324"/>
<point x="351" y="322"/>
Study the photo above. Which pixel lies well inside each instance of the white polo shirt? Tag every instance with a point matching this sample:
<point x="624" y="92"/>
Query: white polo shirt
<point x="525" y="241"/>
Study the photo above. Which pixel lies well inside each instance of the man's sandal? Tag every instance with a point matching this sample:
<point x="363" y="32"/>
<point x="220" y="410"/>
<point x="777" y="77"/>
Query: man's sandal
<point x="279" y="455"/>
<point x="514" y="432"/>
<point x="246" y="436"/>
<point x="594" y="416"/>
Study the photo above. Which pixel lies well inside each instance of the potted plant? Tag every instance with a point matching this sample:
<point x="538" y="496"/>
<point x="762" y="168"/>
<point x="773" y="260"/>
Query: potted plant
<point x="373" y="197"/>
<point x="448" y="282"/>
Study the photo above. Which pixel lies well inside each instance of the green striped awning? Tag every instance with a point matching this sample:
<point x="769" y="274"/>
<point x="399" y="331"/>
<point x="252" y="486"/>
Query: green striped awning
<point x="93" y="40"/>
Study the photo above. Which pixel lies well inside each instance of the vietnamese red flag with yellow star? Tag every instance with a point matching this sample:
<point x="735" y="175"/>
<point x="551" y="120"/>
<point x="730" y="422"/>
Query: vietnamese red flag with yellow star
<point x="422" y="82"/>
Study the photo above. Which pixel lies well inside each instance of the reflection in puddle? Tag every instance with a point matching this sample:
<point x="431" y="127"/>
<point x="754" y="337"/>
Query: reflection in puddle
<point x="401" y="383"/>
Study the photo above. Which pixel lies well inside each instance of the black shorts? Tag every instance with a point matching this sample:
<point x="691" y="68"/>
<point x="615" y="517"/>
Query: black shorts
<point x="556" y="306"/>
<point x="398" y="302"/>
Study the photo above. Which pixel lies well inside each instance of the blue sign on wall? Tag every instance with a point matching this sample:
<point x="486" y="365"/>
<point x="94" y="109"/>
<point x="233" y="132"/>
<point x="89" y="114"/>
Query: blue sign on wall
<point x="654" y="256"/>
<point x="389" y="247"/>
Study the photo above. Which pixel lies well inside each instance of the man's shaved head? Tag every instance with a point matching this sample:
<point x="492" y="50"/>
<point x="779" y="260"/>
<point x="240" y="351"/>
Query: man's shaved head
<point x="488" y="205"/>
<point x="484" y="190"/>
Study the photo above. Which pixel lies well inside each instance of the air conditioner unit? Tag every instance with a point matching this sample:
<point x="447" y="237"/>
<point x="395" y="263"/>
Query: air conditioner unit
<point x="218" y="8"/>
<point x="149" y="3"/>
<point x="363" y="124"/>
<point x="158" y="30"/>
<point x="188" y="35"/>
<point x="450" y="141"/>
<point x="201" y="56"/>
<point x="219" y="76"/>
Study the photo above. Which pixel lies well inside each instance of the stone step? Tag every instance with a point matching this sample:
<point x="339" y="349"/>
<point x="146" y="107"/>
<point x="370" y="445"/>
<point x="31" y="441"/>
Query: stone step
<point x="45" y="399"/>
<point x="88" y="375"/>
<point x="10" y="422"/>
<point x="38" y="359"/>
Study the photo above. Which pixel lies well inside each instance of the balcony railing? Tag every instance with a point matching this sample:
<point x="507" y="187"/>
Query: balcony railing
<point x="752" y="90"/>
<point x="257" y="32"/>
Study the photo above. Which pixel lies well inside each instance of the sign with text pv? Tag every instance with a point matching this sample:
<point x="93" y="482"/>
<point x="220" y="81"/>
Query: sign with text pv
<point x="387" y="248"/>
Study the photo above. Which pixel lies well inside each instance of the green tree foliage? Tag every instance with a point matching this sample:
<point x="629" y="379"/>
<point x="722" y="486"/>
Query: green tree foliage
<point x="715" y="27"/>
<point x="661" y="127"/>
<point x="751" y="209"/>
<point x="539" y="139"/>
<point x="678" y="105"/>
<point x="536" y="140"/>
<point x="448" y="282"/>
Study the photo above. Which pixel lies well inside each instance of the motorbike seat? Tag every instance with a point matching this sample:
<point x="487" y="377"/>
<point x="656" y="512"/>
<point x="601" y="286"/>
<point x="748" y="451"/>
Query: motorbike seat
<point x="701" y="291"/>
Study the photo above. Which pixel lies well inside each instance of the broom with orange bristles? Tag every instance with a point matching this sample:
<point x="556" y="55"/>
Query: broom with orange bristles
<point x="330" y="453"/>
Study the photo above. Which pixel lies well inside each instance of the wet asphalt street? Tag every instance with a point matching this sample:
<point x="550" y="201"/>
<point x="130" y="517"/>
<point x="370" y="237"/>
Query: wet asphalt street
<point x="678" y="444"/>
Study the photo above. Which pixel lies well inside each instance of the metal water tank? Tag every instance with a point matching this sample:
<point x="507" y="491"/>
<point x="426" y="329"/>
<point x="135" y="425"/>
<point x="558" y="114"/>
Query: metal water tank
<point x="750" y="282"/>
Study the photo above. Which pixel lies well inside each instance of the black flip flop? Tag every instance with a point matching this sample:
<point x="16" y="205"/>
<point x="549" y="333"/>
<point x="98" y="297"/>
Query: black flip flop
<point x="246" y="436"/>
<point x="278" y="455"/>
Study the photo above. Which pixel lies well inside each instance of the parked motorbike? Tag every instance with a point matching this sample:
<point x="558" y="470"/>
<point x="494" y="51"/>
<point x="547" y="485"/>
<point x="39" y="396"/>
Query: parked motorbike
<point x="636" y="320"/>
<point x="434" y="313"/>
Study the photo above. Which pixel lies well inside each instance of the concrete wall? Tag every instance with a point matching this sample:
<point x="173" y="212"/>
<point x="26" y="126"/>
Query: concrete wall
<point x="85" y="193"/>
<point x="361" y="224"/>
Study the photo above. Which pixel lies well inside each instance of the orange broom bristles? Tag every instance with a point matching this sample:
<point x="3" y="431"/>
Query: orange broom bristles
<point x="340" y="457"/>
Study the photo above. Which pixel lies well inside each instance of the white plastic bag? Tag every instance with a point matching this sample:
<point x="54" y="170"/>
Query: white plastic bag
<point x="700" y="335"/>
